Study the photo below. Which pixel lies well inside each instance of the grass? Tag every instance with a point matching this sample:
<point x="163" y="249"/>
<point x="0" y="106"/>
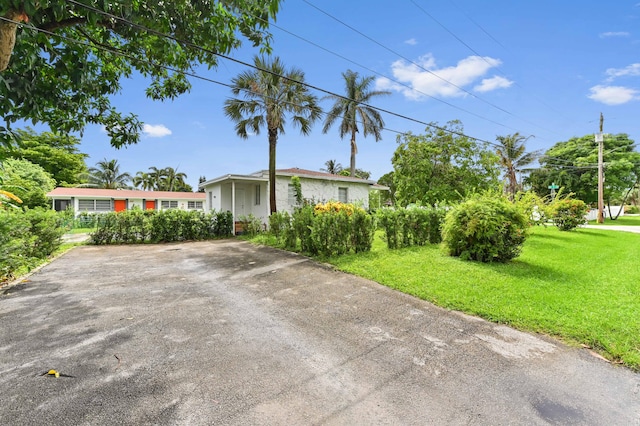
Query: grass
<point x="622" y="221"/>
<point x="581" y="286"/>
<point x="21" y="272"/>
<point x="81" y="230"/>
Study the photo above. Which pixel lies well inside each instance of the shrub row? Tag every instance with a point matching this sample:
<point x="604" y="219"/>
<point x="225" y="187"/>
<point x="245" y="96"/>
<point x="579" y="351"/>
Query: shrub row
<point x="417" y="225"/>
<point x="324" y="229"/>
<point x="138" y="226"/>
<point x="27" y="237"/>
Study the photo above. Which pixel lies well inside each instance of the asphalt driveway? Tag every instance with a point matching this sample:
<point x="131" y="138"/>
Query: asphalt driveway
<point x="228" y="333"/>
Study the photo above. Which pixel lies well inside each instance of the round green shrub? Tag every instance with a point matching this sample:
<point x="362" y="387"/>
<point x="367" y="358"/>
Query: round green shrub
<point x="486" y="229"/>
<point x="568" y="214"/>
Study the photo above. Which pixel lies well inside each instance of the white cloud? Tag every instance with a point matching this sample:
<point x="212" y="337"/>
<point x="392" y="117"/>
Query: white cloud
<point x="493" y="83"/>
<point x="630" y="70"/>
<point x="411" y="41"/>
<point x="614" y="34"/>
<point x="155" y="130"/>
<point x="424" y="78"/>
<point x="613" y="95"/>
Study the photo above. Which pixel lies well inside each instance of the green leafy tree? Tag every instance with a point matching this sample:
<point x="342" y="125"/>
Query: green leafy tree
<point x="442" y="165"/>
<point x="332" y="166"/>
<point x="28" y="181"/>
<point x="61" y="60"/>
<point x="360" y="174"/>
<point x="513" y="157"/>
<point x="573" y="165"/>
<point x="387" y="197"/>
<point x="269" y="94"/>
<point x="55" y="153"/>
<point x="354" y="113"/>
<point x="106" y="174"/>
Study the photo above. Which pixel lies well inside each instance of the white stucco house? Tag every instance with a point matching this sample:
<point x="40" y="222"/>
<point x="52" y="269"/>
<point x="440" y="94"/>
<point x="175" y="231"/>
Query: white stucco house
<point x="94" y="200"/>
<point x="249" y="194"/>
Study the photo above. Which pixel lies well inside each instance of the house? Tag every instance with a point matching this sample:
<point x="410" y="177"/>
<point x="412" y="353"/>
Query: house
<point x="249" y="194"/>
<point x="95" y="200"/>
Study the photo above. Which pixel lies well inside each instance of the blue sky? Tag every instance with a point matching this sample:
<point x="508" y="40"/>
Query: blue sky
<point x="544" y="68"/>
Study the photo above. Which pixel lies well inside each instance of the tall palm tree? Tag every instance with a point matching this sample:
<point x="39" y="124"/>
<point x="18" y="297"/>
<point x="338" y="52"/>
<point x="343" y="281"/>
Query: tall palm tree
<point x="354" y="112"/>
<point x="106" y="174"/>
<point x="513" y="157"/>
<point x="156" y="176"/>
<point x="173" y="179"/>
<point x="332" y="166"/>
<point x="144" y="181"/>
<point x="269" y="94"/>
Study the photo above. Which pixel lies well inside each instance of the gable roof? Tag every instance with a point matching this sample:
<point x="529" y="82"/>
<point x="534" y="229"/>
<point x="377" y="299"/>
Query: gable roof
<point x="124" y="193"/>
<point x="263" y="176"/>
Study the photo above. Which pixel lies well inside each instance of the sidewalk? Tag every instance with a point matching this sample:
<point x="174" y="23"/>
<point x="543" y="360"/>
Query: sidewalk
<point x="634" y="229"/>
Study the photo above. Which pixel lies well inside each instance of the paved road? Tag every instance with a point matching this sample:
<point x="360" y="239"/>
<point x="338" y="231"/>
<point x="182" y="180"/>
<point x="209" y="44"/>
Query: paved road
<point x="625" y="228"/>
<point x="228" y="333"/>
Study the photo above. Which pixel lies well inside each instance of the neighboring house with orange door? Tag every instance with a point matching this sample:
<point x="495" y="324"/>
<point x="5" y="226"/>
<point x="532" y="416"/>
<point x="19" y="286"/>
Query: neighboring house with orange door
<point x="249" y="194"/>
<point x="92" y="200"/>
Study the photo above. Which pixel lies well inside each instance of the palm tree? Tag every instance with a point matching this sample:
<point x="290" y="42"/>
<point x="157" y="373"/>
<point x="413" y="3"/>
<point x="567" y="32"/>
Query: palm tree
<point x="269" y="94"/>
<point x="513" y="157"/>
<point x="332" y="166"/>
<point x="173" y="179"/>
<point x="353" y="110"/>
<point x="106" y="174"/>
<point x="156" y="176"/>
<point x="144" y="181"/>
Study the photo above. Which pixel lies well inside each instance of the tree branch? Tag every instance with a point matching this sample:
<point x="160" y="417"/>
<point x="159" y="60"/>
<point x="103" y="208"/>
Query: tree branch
<point x="70" y="22"/>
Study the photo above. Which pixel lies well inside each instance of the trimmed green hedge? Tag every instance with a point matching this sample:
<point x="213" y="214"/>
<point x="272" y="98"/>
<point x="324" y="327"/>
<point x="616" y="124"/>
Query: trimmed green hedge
<point x="417" y="225"/>
<point x="26" y="238"/>
<point x="138" y="226"/>
<point x="324" y="229"/>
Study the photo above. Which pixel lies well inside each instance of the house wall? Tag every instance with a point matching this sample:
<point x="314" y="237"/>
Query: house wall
<point x="320" y="191"/>
<point x="219" y="198"/>
<point x="130" y="204"/>
<point x="214" y="198"/>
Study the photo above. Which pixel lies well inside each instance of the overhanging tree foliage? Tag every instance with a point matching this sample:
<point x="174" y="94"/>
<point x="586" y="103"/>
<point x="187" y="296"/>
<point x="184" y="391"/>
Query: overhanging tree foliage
<point x="60" y="60"/>
<point x="573" y="165"/>
<point x="441" y="165"/>
<point x="57" y="154"/>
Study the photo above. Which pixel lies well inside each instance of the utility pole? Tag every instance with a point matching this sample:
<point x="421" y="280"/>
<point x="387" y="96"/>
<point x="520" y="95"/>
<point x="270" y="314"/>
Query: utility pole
<point x="600" y="142"/>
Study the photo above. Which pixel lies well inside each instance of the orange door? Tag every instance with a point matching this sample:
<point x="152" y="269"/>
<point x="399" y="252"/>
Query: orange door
<point x="150" y="205"/>
<point x="119" y="205"/>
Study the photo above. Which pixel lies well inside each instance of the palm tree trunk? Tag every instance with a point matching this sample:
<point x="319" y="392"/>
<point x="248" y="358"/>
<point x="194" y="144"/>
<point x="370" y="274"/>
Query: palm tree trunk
<point x="354" y="151"/>
<point x="273" y="140"/>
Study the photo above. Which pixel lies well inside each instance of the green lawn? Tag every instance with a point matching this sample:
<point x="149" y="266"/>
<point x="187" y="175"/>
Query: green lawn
<point x="81" y="230"/>
<point x="622" y="220"/>
<point x="582" y="286"/>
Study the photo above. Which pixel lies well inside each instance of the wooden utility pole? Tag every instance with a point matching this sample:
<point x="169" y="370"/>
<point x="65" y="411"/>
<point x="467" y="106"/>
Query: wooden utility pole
<point x="600" y="142"/>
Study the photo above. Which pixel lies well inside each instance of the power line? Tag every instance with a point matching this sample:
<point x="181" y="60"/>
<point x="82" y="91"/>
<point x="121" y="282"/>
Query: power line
<point x="190" y="44"/>
<point x="485" y="60"/>
<point x="383" y="75"/>
<point x="421" y="67"/>
<point x="133" y="58"/>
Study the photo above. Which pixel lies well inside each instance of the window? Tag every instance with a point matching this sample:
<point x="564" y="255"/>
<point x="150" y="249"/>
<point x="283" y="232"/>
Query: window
<point x="61" y="205"/>
<point x="291" y="195"/>
<point x="169" y="205"/>
<point x="257" y="195"/>
<point x="343" y="195"/>
<point x="194" y="205"/>
<point x="94" y="205"/>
